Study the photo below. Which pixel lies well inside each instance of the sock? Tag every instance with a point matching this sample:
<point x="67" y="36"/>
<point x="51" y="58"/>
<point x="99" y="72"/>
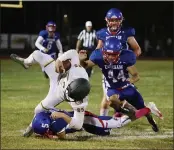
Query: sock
<point x="117" y="123"/>
<point x="142" y="112"/>
<point x="104" y="112"/>
<point x="29" y="60"/>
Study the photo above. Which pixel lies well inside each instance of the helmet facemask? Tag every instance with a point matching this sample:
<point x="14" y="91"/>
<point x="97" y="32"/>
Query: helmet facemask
<point x="110" y="56"/>
<point x="114" y="24"/>
<point x="67" y="98"/>
<point x="77" y="90"/>
<point x="51" y="28"/>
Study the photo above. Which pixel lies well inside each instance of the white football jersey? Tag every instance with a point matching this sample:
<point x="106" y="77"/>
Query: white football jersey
<point x="76" y="71"/>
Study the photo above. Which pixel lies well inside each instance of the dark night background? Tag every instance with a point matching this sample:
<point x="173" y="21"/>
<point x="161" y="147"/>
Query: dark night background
<point x="152" y="20"/>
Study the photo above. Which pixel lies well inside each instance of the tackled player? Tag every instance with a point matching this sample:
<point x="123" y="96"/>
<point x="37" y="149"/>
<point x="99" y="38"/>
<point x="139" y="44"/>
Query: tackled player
<point x="72" y="85"/>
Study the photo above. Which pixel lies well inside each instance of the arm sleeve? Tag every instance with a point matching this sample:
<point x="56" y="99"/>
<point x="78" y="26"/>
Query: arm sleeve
<point x="59" y="125"/>
<point x="99" y="35"/>
<point x="93" y="57"/>
<point x="71" y="54"/>
<point x="59" y="46"/>
<point x="38" y="43"/>
<point x="131" y="32"/>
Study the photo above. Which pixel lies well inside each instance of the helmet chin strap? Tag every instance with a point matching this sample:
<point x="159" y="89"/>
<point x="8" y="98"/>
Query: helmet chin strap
<point x="115" y="31"/>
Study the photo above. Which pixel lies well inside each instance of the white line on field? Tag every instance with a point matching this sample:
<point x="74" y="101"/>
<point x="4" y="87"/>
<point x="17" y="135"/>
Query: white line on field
<point x="121" y="135"/>
<point x="133" y="137"/>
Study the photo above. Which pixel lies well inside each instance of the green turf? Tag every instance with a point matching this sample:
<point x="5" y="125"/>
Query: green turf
<point x="22" y="90"/>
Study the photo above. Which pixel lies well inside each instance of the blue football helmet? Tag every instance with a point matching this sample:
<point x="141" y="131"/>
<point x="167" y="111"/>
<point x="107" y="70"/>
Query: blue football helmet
<point x="41" y="123"/>
<point x="51" y="26"/>
<point x="114" y="19"/>
<point x="111" y="50"/>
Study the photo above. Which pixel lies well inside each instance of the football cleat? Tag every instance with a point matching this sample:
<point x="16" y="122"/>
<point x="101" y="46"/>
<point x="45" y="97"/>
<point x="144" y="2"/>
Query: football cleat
<point x="28" y="132"/>
<point x="154" y="110"/>
<point x="19" y="60"/>
<point x="152" y="122"/>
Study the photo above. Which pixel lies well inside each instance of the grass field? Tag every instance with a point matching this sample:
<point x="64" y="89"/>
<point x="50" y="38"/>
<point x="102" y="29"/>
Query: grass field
<point x="22" y="90"/>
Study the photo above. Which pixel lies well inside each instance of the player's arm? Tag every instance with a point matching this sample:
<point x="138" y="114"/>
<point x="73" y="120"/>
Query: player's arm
<point x="134" y="45"/>
<point x="70" y="54"/>
<point x="99" y="39"/>
<point x="132" y="41"/>
<point x="100" y="44"/>
<point x="134" y="73"/>
<point x="75" y="122"/>
<point x="38" y="44"/>
<point x="88" y="63"/>
<point x="56" y="115"/>
<point x="59" y="46"/>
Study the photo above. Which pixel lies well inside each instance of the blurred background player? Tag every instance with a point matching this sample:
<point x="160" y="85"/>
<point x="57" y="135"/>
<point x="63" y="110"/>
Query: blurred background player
<point x="48" y="42"/>
<point x="87" y="41"/>
<point x="116" y="64"/>
<point x="114" y="19"/>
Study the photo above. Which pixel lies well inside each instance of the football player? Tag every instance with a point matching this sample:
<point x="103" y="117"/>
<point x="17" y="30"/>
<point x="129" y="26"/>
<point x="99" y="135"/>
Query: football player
<point x="116" y="65"/>
<point x="55" y="124"/>
<point x="48" y="42"/>
<point x="70" y="84"/>
<point x="114" y="19"/>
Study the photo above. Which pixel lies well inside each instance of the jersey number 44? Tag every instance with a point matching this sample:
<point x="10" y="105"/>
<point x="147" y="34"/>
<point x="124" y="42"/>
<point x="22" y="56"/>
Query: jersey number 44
<point x="118" y="77"/>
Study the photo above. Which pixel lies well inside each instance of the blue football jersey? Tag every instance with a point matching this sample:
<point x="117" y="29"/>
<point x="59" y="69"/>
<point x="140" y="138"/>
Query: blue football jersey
<point x="49" y="42"/>
<point x="121" y="34"/>
<point x="116" y="74"/>
<point x="59" y="124"/>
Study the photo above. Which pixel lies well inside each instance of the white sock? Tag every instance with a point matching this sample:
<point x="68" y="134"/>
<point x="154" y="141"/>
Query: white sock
<point x="104" y="112"/>
<point x="29" y="60"/>
<point x="117" y="123"/>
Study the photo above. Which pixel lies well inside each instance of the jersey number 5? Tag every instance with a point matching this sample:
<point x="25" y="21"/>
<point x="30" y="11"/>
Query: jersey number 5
<point x="119" y="76"/>
<point x="45" y="125"/>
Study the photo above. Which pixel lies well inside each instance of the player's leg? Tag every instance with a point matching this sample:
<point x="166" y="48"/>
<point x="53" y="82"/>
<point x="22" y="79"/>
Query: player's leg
<point x="120" y="105"/>
<point x="102" y="125"/>
<point x="135" y="98"/>
<point x="26" y="63"/>
<point x="104" y="106"/>
<point x="47" y="64"/>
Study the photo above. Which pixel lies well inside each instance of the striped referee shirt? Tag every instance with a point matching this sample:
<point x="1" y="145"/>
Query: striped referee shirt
<point x="88" y="38"/>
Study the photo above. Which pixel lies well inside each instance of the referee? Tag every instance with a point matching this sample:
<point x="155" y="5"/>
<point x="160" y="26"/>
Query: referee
<point x="87" y="40"/>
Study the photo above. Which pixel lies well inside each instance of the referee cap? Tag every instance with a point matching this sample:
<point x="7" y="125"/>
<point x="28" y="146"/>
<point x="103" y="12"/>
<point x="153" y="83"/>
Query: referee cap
<point x="88" y="23"/>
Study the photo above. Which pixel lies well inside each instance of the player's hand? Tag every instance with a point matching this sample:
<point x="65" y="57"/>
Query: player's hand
<point x="137" y="52"/>
<point x="59" y="66"/>
<point x="46" y="50"/>
<point x="82" y="55"/>
<point x="56" y="115"/>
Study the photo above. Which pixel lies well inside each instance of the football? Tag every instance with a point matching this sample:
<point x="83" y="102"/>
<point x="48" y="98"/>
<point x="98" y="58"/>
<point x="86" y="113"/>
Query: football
<point x="66" y="64"/>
